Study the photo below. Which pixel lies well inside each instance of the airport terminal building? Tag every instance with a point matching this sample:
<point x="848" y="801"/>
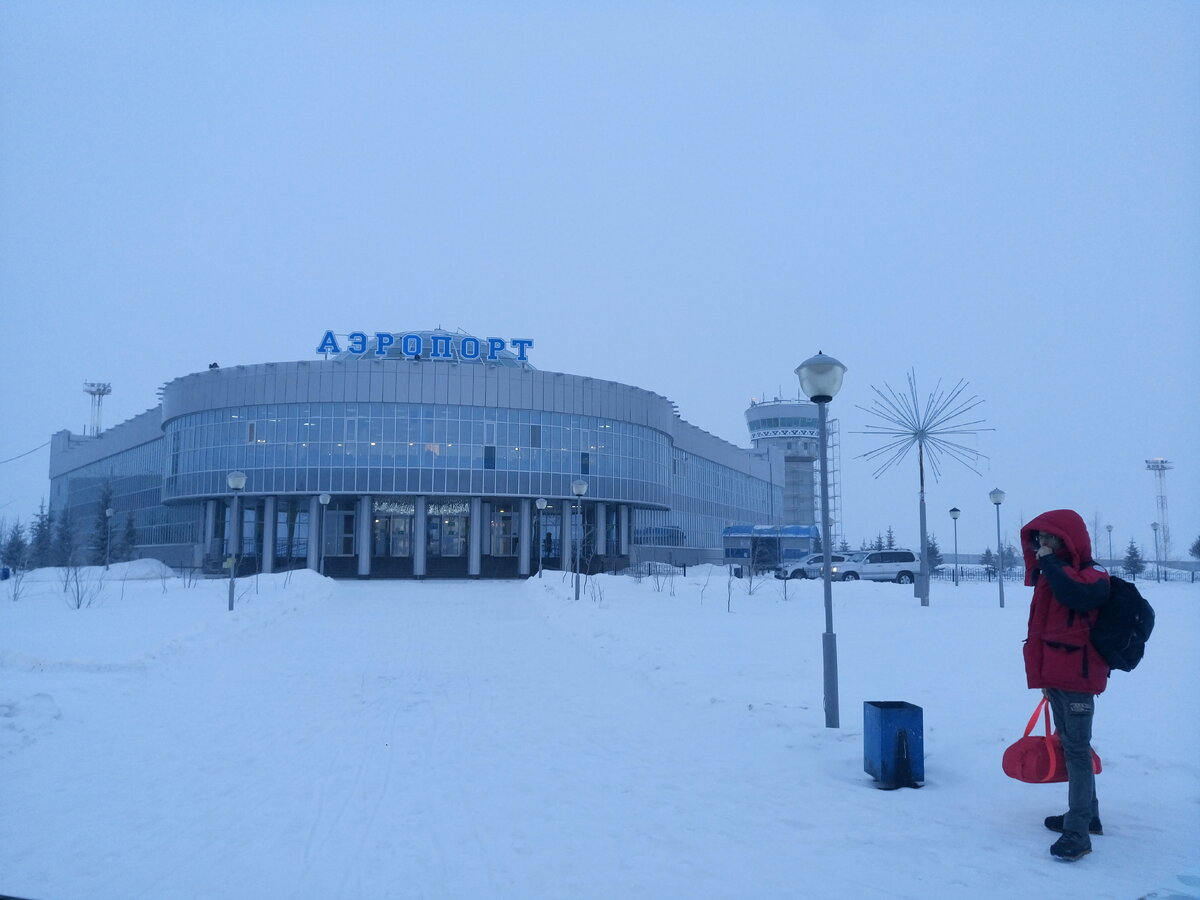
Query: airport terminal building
<point x="415" y="454"/>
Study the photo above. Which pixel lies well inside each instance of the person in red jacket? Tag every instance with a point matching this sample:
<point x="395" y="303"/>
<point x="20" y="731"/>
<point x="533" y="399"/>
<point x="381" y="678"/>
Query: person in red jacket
<point x="1068" y="590"/>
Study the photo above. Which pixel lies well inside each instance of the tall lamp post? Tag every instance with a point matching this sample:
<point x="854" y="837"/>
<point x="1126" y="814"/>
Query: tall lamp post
<point x="955" y="512"/>
<point x="820" y="379"/>
<point x="236" y="482"/>
<point x="1157" y="567"/>
<point x="997" y="497"/>
<point x="323" y="499"/>
<point x="1108" y="528"/>
<point x="578" y="488"/>
<point x="108" y="514"/>
<point x="540" y="503"/>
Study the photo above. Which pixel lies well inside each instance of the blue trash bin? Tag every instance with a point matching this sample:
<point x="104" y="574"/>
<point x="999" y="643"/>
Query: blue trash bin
<point x="894" y="743"/>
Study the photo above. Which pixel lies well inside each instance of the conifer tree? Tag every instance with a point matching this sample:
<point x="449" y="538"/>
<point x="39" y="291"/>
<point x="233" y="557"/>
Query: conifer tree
<point x="16" y="548"/>
<point x="41" y="538"/>
<point x="934" y="554"/>
<point x="1133" y="562"/>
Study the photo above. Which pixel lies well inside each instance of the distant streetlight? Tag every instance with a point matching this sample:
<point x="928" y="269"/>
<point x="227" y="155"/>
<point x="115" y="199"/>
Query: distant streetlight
<point x="1108" y="528"/>
<point x="323" y="499"/>
<point x="236" y="482"/>
<point x="108" y="514"/>
<point x="820" y="379"/>
<point x="997" y="497"/>
<point x="579" y="488"/>
<point x="540" y="503"/>
<point x="955" y="512"/>
<point x="1157" y="568"/>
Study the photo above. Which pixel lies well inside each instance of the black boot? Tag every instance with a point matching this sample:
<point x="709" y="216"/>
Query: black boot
<point x="1055" y="823"/>
<point x="1071" y="846"/>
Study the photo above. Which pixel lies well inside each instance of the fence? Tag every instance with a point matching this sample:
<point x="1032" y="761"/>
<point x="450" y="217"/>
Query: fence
<point x="982" y="573"/>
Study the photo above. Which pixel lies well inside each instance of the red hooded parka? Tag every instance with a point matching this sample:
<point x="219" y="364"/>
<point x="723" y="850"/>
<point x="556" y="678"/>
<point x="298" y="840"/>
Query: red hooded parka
<point x="1058" y="650"/>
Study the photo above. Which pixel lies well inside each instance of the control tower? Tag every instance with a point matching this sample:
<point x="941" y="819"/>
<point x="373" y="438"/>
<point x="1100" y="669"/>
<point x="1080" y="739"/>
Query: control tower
<point x="791" y="426"/>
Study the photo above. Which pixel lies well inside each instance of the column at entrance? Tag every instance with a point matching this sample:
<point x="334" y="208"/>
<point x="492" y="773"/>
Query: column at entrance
<point x="268" y="547"/>
<point x="601" y="529"/>
<point x="623" y="528"/>
<point x="475" y="538"/>
<point x="210" y="531"/>
<point x="362" y="536"/>
<point x="420" y="536"/>
<point x="524" y="529"/>
<point x="315" y="534"/>
<point x="566" y="555"/>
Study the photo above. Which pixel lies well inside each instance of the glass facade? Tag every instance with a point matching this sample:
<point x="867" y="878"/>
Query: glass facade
<point x="134" y="477"/>
<point x="401" y="448"/>
<point x="430" y="467"/>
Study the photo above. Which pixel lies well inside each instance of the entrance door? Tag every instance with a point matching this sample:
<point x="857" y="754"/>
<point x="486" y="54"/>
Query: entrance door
<point x="446" y="536"/>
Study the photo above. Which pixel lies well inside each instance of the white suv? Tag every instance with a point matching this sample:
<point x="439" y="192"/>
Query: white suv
<point x="810" y="566"/>
<point x="880" y="565"/>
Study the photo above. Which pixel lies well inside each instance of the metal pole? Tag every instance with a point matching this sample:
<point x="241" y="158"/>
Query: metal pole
<point x="923" y="572"/>
<point x="955" y="552"/>
<point x="1157" y="567"/>
<point x="828" y="639"/>
<point x="539" y="542"/>
<point x="235" y="537"/>
<point x="578" y="543"/>
<point x="999" y="558"/>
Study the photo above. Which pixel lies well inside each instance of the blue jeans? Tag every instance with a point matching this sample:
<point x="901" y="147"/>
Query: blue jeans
<point x="1073" y="713"/>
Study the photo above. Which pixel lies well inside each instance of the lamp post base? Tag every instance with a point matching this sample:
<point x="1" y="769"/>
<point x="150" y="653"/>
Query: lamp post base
<point x="829" y="653"/>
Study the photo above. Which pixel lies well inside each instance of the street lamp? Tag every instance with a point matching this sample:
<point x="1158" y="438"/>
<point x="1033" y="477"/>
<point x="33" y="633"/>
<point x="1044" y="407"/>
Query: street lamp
<point x="820" y="379"/>
<point x="997" y="497"/>
<point x="1108" y="528"/>
<point x="540" y="503"/>
<point x="108" y="514"/>
<point x="236" y="482"/>
<point x="955" y="512"/>
<point x="323" y="499"/>
<point x="1157" y="568"/>
<point x="579" y="488"/>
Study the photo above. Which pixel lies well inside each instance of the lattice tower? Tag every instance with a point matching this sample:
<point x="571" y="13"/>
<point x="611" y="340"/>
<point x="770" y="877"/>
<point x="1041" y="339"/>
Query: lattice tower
<point x="1159" y="467"/>
<point x="98" y="391"/>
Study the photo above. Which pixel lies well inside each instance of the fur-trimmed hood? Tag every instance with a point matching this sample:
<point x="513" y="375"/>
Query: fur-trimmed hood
<point x="1070" y="528"/>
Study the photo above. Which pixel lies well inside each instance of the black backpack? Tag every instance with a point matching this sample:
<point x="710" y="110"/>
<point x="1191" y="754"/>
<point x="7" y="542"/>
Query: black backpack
<point x="1124" y="625"/>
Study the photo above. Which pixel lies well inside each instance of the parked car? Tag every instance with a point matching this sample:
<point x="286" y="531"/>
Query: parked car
<point x="880" y="565"/>
<point x="810" y="566"/>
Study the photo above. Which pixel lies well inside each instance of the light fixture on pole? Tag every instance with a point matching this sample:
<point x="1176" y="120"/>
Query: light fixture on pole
<point x="540" y="503"/>
<point x="1108" y="528"/>
<point x="579" y="488"/>
<point x="997" y="496"/>
<point x="236" y="482"/>
<point x="1157" y="568"/>
<point x="323" y="499"/>
<point x="820" y="379"/>
<point x="108" y="514"/>
<point x="955" y="512"/>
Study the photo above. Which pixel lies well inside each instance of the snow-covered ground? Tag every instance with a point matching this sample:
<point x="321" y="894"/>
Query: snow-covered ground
<point x="499" y="740"/>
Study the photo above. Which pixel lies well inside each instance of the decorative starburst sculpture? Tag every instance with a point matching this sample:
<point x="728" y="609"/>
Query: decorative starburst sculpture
<point x="930" y="427"/>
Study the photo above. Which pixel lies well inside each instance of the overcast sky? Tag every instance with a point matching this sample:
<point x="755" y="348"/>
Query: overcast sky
<point x="691" y="198"/>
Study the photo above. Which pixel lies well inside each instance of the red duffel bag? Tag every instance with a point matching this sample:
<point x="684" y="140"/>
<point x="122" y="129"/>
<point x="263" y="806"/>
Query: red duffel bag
<point x="1039" y="759"/>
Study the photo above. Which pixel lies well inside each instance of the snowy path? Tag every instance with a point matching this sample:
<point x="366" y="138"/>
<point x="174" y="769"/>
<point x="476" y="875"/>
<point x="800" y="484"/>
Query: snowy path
<point x="435" y="748"/>
<point x="497" y="740"/>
